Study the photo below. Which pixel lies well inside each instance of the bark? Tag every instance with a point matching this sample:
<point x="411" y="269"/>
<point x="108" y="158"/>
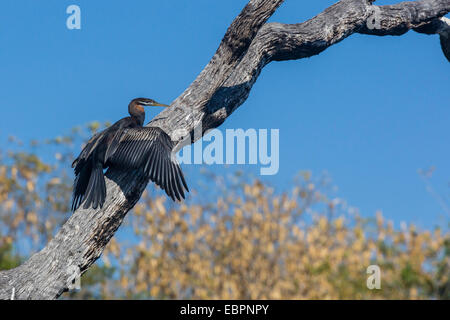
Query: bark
<point x="222" y="86"/>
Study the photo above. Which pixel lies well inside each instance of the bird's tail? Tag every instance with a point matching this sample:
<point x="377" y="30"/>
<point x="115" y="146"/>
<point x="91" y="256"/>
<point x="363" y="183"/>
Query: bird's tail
<point x="89" y="186"/>
<point x="96" y="189"/>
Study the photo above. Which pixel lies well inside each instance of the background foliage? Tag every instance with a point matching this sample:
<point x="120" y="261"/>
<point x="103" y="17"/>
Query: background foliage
<point x="237" y="240"/>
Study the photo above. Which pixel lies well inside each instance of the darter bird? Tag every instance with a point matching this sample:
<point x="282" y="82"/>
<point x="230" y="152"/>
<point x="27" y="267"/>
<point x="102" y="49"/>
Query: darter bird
<point x="127" y="145"/>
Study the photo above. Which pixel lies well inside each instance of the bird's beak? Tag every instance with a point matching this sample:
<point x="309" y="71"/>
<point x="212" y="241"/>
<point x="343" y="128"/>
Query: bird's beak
<point x="157" y="104"/>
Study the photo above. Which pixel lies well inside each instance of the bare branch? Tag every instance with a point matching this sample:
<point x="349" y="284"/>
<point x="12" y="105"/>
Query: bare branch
<point x="277" y="42"/>
<point x="442" y="27"/>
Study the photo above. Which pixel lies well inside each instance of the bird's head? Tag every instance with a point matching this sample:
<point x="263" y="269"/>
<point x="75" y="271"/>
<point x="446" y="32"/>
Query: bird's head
<point x="147" y="102"/>
<point x="136" y="107"/>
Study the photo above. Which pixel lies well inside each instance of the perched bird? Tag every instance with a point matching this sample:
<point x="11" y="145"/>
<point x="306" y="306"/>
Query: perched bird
<point x="127" y="145"/>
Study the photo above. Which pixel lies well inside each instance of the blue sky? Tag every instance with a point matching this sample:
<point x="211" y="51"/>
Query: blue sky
<point x="370" y="111"/>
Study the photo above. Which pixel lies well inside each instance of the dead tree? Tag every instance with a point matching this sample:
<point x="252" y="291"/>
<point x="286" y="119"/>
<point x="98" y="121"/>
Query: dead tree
<point x="222" y="86"/>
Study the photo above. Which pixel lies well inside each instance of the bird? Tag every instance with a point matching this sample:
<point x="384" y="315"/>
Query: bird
<point x="127" y="145"/>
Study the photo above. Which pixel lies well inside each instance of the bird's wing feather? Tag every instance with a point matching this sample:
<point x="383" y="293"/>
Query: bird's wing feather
<point x="87" y="151"/>
<point x="149" y="148"/>
<point x="113" y="144"/>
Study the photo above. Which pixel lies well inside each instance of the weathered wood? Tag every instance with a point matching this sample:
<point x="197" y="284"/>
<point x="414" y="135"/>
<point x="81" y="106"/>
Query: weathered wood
<point x="223" y="85"/>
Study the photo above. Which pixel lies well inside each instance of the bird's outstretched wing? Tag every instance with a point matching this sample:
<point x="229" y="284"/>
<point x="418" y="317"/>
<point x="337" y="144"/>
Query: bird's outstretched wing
<point x="149" y="148"/>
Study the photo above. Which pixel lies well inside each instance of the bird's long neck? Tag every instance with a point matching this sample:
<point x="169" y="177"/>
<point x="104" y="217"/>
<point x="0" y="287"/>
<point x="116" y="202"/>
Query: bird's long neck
<point x="137" y="112"/>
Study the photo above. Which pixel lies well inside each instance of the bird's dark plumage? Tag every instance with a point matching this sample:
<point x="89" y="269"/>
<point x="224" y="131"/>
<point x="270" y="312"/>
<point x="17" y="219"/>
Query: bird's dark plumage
<point x="127" y="145"/>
